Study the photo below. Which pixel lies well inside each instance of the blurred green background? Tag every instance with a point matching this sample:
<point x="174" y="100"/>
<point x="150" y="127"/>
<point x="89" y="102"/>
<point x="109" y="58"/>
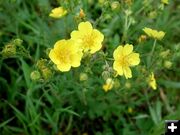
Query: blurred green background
<point x="59" y="103"/>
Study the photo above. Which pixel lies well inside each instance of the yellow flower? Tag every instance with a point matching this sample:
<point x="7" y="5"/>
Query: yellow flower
<point x="124" y="58"/>
<point x="65" y="54"/>
<point x="154" y="33"/>
<point x="108" y="85"/>
<point x="152" y="81"/>
<point x="165" y="1"/>
<point x="58" y="12"/>
<point x="89" y="39"/>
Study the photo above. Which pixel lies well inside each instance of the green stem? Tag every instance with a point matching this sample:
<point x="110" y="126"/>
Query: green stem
<point x="154" y="45"/>
<point x="151" y="54"/>
<point x="125" y="28"/>
<point x="69" y="124"/>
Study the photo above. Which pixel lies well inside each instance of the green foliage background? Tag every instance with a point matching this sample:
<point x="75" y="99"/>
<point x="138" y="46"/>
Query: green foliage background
<point x="62" y="104"/>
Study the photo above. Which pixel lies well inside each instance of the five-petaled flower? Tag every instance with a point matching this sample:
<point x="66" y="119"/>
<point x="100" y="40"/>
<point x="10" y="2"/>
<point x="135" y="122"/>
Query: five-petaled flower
<point x="58" y="12"/>
<point x="152" y="81"/>
<point x="66" y="53"/>
<point x="89" y="39"/>
<point x="154" y="33"/>
<point x="124" y="58"/>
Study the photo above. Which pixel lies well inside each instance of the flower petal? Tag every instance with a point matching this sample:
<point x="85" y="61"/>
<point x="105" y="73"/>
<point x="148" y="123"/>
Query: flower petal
<point x="64" y="67"/>
<point x="133" y="59"/>
<point x="127" y="49"/>
<point x="118" y="52"/>
<point x="160" y="35"/>
<point x="85" y="27"/>
<point x="76" y="59"/>
<point x="127" y="72"/>
<point x="148" y="31"/>
<point x="118" y="68"/>
<point x="76" y="35"/>
<point x="53" y="56"/>
<point x="59" y="45"/>
<point x="96" y="47"/>
<point x="98" y="36"/>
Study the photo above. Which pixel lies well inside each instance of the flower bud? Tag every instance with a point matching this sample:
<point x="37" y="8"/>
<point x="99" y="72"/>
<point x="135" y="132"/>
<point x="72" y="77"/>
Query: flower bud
<point x="115" y="5"/>
<point x="8" y="51"/>
<point x="128" y="85"/>
<point x="128" y="12"/>
<point x="167" y="64"/>
<point x="152" y="14"/>
<point x="105" y="75"/>
<point x="101" y="1"/>
<point x="165" y="1"/>
<point x="35" y="75"/>
<point x="81" y="13"/>
<point x="46" y="73"/>
<point x="128" y="2"/>
<point x="17" y="42"/>
<point x="164" y="54"/>
<point x="83" y="77"/>
<point x="41" y="64"/>
<point x="116" y="84"/>
<point x="142" y="38"/>
<point x="130" y="110"/>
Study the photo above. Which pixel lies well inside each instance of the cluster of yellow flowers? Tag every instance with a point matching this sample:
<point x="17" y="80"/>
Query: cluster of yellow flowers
<point x="68" y="53"/>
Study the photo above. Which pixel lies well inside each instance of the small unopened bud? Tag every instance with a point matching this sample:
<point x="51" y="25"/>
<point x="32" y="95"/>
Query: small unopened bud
<point x="35" y="75"/>
<point x="142" y="38"/>
<point x="101" y="1"/>
<point x="105" y="75"/>
<point x="128" y="85"/>
<point x="8" y="51"/>
<point x="17" y="42"/>
<point x="115" y="5"/>
<point x="41" y="64"/>
<point x="165" y="1"/>
<point x="167" y="64"/>
<point x="90" y="1"/>
<point x="116" y="84"/>
<point x="128" y="2"/>
<point x="46" y="73"/>
<point x="164" y="54"/>
<point x="152" y="14"/>
<point x="81" y="13"/>
<point x="83" y="77"/>
<point x="128" y="12"/>
<point x="130" y="110"/>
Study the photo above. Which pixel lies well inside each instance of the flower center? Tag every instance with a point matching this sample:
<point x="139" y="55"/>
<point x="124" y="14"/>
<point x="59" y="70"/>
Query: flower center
<point x="88" y="41"/>
<point x="64" y="56"/>
<point x="124" y="61"/>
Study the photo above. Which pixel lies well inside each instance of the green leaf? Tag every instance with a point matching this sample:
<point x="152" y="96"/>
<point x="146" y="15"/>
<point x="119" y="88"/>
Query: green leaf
<point x="26" y="72"/>
<point x="6" y="122"/>
<point x="170" y="84"/>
